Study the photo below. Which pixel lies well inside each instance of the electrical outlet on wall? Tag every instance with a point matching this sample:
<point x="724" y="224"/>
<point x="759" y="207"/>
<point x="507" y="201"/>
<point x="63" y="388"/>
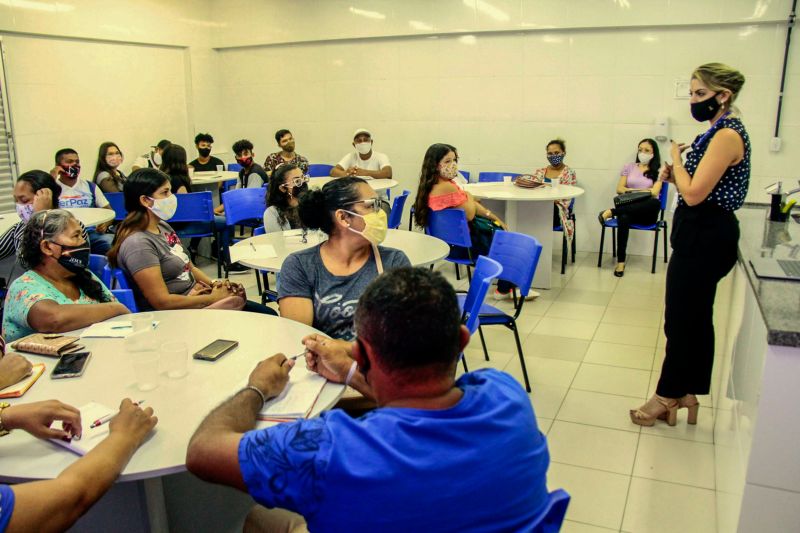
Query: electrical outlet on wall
<point x="682" y="88"/>
<point x="775" y="144"/>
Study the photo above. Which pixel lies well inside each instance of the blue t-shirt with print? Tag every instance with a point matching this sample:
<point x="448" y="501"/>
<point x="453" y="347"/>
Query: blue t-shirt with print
<point x="6" y="506"/>
<point x="477" y="466"/>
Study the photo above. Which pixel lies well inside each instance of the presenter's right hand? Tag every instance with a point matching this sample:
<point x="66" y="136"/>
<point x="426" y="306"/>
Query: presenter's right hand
<point x="133" y="422"/>
<point x="330" y="358"/>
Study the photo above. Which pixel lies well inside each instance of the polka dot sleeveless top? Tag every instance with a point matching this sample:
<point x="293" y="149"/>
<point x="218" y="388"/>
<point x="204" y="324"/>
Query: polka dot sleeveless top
<point x="730" y="191"/>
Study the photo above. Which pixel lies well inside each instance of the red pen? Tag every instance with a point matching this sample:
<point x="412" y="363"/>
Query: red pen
<point x="103" y="420"/>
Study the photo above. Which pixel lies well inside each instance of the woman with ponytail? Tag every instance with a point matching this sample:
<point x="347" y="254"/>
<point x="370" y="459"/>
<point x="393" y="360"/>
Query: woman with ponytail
<point x="320" y="286"/>
<point x="46" y="297"/>
<point x="150" y="253"/>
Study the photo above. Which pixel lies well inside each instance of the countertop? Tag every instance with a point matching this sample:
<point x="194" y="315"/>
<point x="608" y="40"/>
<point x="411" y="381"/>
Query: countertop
<point x="778" y="300"/>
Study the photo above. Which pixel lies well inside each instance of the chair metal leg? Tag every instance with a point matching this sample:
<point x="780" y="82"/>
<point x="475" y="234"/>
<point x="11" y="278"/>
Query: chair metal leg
<point x="464" y="362"/>
<point x="483" y="343"/>
<point x="258" y="281"/>
<point x="513" y="327"/>
<point x="220" y="253"/>
<point x="564" y="253"/>
<point x="469" y="273"/>
<point x="666" y="241"/>
<point x="602" y="241"/>
<point x="655" y="252"/>
<point x="458" y="272"/>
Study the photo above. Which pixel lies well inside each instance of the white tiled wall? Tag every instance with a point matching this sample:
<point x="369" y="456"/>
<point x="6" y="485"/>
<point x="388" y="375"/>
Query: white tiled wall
<point x="500" y="97"/>
<point x="595" y="72"/>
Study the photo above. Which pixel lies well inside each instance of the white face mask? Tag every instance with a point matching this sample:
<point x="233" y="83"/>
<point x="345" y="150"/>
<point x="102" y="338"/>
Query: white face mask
<point x="164" y="208"/>
<point x="645" y="158"/>
<point x="363" y="148"/>
<point x="157" y="159"/>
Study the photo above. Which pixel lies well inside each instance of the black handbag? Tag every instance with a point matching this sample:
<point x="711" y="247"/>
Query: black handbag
<point x="631" y="198"/>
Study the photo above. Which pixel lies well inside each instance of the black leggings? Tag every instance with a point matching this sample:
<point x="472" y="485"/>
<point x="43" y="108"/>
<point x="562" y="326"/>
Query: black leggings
<point x="704" y="241"/>
<point x="642" y="213"/>
<point x="255" y="307"/>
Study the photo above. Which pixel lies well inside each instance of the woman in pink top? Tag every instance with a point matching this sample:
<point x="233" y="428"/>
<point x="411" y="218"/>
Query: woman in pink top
<point x="559" y="172"/>
<point x="636" y="177"/>
<point x="437" y="191"/>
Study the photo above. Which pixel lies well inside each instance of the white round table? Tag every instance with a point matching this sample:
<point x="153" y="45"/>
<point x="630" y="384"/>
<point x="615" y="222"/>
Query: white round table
<point x="213" y="176"/>
<point x="180" y="404"/>
<point x="89" y="216"/>
<point x="535" y="219"/>
<point x="377" y="184"/>
<point x="421" y="249"/>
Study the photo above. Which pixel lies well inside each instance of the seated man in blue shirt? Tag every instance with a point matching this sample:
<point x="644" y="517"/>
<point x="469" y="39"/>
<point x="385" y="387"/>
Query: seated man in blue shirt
<point x="436" y="455"/>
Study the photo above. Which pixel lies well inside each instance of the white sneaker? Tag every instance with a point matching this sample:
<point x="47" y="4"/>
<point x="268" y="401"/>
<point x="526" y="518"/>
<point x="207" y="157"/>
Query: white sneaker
<point x="499" y="296"/>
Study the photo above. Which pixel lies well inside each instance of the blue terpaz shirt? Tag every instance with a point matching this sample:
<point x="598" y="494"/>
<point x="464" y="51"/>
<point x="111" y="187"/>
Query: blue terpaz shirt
<point x="478" y="466"/>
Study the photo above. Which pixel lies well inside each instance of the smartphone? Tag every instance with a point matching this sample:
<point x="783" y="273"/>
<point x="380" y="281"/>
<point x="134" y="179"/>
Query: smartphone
<point x="215" y="350"/>
<point x="71" y="365"/>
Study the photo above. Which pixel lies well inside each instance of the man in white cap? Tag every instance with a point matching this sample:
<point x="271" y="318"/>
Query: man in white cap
<point x="364" y="161"/>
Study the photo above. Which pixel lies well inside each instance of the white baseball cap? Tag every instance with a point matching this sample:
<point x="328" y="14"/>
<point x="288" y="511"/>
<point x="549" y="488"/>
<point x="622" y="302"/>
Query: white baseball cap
<point x="359" y="131"/>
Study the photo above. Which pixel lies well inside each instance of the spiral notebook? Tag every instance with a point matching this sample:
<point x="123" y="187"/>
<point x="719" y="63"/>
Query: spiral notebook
<point x="297" y="399"/>
<point x="18" y="389"/>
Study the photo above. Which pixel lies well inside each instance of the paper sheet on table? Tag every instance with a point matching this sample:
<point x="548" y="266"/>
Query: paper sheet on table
<point x="111" y="330"/>
<point x="90" y="437"/>
<point x="257" y="251"/>
<point x="298" y="398"/>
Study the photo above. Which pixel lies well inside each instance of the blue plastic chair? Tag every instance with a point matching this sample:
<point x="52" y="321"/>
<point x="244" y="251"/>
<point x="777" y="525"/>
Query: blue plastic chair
<point x="464" y="173"/>
<point x="486" y="270"/>
<point x="98" y="264"/>
<point x="552" y="516"/>
<point x="125" y="297"/>
<point x="117" y="201"/>
<point x="495" y="176"/>
<point x="234" y="167"/>
<point x="198" y="207"/>
<point x="397" y="209"/>
<point x="519" y="255"/>
<point x="319" y="171"/>
<point x="656" y="228"/>
<point x="571" y="216"/>
<point x="450" y="225"/>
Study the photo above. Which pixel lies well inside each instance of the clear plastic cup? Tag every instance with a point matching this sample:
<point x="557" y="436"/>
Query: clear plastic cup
<point x="220" y="168"/>
<point x="145" y="368"/>
<point x="142" y="322"/>
<point x="175" y="359"/>
<point x="506" y="179"/>
<point x="191" y="173"/>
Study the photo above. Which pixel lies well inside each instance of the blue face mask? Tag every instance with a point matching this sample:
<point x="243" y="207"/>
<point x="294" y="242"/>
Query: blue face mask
<point x="555" y="160"/>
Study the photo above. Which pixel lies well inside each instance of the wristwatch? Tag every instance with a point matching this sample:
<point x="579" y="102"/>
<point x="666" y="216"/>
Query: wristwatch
<point x="3" y="430"/>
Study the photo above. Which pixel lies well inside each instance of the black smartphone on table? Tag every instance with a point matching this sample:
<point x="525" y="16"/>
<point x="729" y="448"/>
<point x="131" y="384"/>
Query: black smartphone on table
<point x="71" y="365"/>
<point x="215" y="350"/>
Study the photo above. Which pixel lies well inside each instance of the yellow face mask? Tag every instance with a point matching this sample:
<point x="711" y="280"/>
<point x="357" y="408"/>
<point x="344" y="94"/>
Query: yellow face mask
<point x="375" y="226"/>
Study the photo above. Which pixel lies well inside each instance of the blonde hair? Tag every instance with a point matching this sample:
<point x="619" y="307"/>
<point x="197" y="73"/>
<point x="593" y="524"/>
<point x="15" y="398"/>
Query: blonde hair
<point x="718" y="77"/>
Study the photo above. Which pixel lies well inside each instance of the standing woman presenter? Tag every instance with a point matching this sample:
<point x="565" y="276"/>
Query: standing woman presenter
<point x="711" y="184"/>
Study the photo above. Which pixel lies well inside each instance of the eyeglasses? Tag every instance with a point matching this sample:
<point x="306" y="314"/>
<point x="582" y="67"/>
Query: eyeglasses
<point x="370" y="203"/>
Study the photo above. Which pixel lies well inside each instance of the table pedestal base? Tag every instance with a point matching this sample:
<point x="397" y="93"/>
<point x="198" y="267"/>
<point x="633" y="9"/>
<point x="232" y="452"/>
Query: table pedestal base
<point x="535" y="219"/>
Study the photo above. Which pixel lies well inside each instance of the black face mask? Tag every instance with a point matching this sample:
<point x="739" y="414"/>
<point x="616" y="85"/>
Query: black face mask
<point x="74" y="258"/>
<point x="705" y="110"/>
<point x="297" y="191"/>
<point x="204" y="152"/>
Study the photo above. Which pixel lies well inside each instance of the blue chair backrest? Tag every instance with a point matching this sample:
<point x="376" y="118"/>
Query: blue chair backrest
<point x="117" y="201"/>
<point x="519" y="255"/>
<point x="98" y="264"/>
<point x="464" y="173"/>
<point x="234" y="167"/>
<point x="118" y="275"/>
<point x="260" y="230"/>
<point x="125" y="297"/>
<point x="194" y="207"/>
<point x="397" y="209"/>
<point x="664" y="195"/>
<point x="495" y="176"/>
<point x="319" y="171"/>
<point x="243" y="204"/>
<point x="486" y="270"/>
<point x="451" y="226"/>
<point x="552" y="516"/>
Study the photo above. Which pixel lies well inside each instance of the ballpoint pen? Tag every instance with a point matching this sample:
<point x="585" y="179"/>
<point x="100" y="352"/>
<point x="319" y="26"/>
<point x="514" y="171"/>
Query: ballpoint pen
<point x="252" y="246"/>
<point x="102" y="420"/>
